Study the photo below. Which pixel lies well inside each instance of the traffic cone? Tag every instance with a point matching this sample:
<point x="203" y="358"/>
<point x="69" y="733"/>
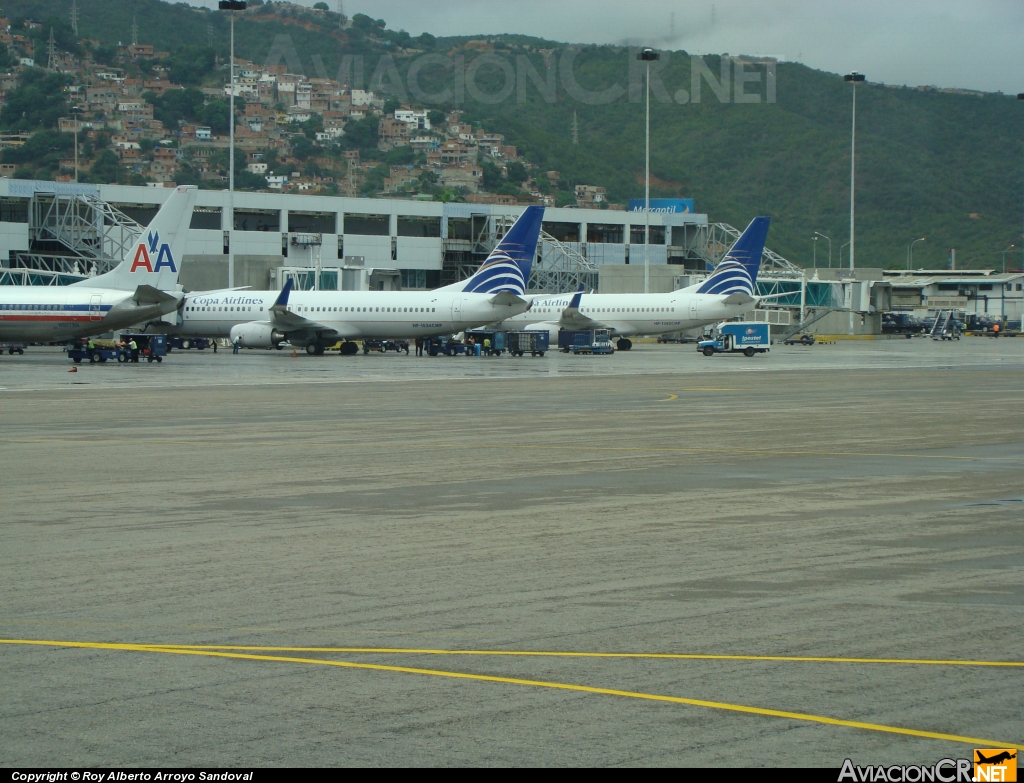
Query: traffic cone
<point x="73" y="369"/>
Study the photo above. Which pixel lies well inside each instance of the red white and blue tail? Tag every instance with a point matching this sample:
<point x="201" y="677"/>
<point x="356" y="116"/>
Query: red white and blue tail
<point x="155" y="258"/>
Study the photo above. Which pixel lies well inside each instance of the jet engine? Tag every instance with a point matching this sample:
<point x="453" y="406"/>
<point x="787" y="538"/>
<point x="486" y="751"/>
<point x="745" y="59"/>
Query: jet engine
<point x="257" y="335"/>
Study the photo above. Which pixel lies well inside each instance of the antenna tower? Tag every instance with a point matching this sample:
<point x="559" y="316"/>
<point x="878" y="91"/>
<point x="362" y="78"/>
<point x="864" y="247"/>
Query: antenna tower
<point x="209" y="34"/>
<point x="575" y="129"/>
<point x="51" y="53"/>
<point x="135" y="31"/>
<point x="74" y="17"/>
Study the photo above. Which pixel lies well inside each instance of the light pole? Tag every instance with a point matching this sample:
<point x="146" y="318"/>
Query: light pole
<point x="1004" y="252"/>
<point x="910" y="252"/>
<point x="815" y="246"/>
<point x="75" y="112"/>
<point x="1020" y="97"/>
<point x="853" y="77"/>
<point x="841" y="254"/>
<point x="818" y="233"/>
<point x="648" y="55"/>
<point x="231" y="6"/>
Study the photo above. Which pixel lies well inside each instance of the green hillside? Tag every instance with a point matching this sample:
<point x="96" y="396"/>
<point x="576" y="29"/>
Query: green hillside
<point x="944" y="165"/>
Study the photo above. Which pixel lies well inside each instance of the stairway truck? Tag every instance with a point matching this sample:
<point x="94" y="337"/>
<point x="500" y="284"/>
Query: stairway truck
<point x="746" y="337"/>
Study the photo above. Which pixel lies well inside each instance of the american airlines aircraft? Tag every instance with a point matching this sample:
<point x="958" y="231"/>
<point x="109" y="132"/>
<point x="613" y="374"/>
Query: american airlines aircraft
<point x="727" y="293"/>
<point x="139" y="289"/>
<point x="316" y="319"/>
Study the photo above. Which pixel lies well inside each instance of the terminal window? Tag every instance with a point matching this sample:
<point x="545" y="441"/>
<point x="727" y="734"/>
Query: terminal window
<point x="206" y="219"/>
<point x="313" y="222"/>
<point x="563" y="232"/>
<point x="257" y="220"/>
<point x="427" y="227"/>
<point x="367" y="225"/>
<point x="657" y="235"/>
<point x="13" y="210"/>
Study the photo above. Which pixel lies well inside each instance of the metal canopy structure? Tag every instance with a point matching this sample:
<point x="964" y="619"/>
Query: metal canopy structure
<point x="72" y="234"/>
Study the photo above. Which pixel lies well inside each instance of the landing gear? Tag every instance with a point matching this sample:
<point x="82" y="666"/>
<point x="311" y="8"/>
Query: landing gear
<point x="315" y="349"/>
<point x="348" y="348"/>
<point x="623" y="344"/>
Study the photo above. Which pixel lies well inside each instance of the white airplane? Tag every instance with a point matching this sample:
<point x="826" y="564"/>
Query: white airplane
<point x="315" y="319"/>
<point x="727" y="293"/>
<point x="139" y="289"/>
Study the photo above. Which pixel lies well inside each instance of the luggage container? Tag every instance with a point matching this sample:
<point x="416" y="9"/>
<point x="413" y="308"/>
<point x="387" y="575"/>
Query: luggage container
<point x="534" y="343"/>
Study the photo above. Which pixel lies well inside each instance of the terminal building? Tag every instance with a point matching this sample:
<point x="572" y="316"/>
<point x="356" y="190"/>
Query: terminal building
<point x="68" y="229"/>
<point x="56" y="233"/>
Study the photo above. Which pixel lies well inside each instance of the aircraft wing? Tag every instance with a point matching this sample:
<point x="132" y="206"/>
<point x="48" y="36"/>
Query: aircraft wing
<point x="287" y="321"/>
<point x="573" y="319"/>
<point x="148" y="295"/>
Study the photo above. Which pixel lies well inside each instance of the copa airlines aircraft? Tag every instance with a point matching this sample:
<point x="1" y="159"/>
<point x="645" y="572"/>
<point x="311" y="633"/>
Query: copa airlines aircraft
<point x="315" y="319"/>
<point x="141" y="288"/>
<point x="729" y="292"/>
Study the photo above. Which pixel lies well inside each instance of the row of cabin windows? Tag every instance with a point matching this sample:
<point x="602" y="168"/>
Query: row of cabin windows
<point x="322" y="309"/>
<point x="614" y="309"/>
<point x="222" y="309"/>
<point x="30" y="307"/>
<point x="363" y="309"/>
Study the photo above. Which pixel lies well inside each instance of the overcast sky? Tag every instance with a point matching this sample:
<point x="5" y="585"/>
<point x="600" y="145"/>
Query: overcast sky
<point x="975" y="45"/>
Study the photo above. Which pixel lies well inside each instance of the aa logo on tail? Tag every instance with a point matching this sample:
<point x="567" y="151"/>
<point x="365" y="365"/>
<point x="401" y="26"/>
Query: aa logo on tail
<point x="143" y="258"/>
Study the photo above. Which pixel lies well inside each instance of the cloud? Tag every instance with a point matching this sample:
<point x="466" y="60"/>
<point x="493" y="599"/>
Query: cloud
<point x="916" y="42"/>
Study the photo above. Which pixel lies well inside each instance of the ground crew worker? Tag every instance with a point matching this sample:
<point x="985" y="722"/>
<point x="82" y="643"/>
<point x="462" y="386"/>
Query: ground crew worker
<point x="134" y="348"/>
<point x="995" y="330"/>
<point x="235" y="344"/>
<point x="90" y="348"/>
<point x="419" y="346"/>
<point x="487" y="346"/>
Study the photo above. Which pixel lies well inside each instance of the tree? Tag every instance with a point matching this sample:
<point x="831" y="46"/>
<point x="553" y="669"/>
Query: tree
<point x="391" y="105"/>
<point x="312" y="126"/>
<point x="437" y="118"/>
<point x="321" y="6"/>
<point x="189" y="64"/>
<point x="517" y="172"/>
<point x="362" y="134"/>
<point x="492" y="176"/>
<point x="176" y="105"/>
<point x="105" y="168"/>
<point x="302" y="147"/>
<point x="215" y="114"/>
<point x="37" y="103"/>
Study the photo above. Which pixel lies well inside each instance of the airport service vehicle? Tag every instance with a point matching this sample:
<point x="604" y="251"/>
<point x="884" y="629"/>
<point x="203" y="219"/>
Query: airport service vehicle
<point x="498" y="338"/>
<point x="13" y="348"/>
<point x="79" y="353"/>
<point x="143" y="287"/>
<point x="729" y="292"/>
<point x="901" y="323"/>
<point x="316" y="319"/>
<point x="184" y="343"/>
<point x="533" y="343"/>
<point x="445" y="345"/>
<point x="595" y="341"/>
<point x="803" y="339"/>
<point x="383" y="346"/>
<point x="746" y="337"/>
<point x="152" y="347"/>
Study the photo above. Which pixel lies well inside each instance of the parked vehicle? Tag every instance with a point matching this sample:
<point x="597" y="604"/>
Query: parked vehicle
<point x="532" y="342"/>
<point x="592" y="341"/>
<point x="13" y="348"/>
<point x="746" y="337"/>
<point x="185" y="343"/>
<point x="498" y="338"/>
<point x="383" y="346"/>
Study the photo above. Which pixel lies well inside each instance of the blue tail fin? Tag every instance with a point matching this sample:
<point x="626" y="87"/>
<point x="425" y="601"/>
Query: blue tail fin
<point x="737" y="272"/>
<point x="508" y="266"/>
